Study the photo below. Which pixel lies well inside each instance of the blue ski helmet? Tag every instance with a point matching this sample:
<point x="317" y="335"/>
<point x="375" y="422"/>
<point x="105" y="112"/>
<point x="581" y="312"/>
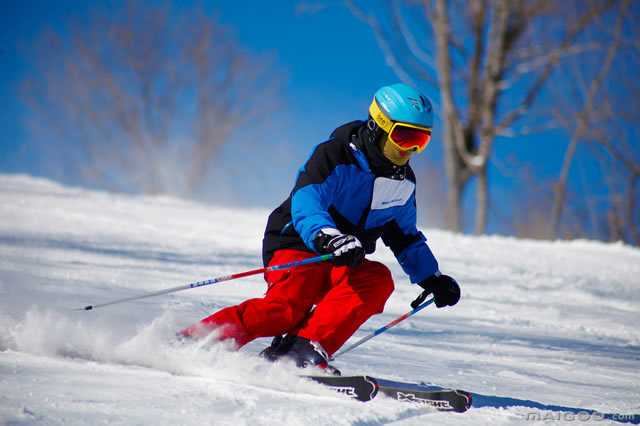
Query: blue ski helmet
<point x="400" y="103"/>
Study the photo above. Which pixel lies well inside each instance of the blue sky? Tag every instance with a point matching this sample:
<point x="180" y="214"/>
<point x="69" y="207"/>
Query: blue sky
<point x="332" y="66"/>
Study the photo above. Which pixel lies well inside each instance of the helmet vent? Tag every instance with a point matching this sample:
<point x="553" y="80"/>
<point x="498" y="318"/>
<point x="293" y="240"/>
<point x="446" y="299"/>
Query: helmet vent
<point x="425" y="103"/>
<point x="416" y="104"/>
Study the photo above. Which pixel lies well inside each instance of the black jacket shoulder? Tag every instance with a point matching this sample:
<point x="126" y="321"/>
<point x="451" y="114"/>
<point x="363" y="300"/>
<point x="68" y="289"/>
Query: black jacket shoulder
<point x="327" y="155"/>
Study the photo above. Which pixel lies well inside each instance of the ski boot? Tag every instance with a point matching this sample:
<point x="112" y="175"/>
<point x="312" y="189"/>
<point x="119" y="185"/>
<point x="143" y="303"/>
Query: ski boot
<point x="303" y="351"/>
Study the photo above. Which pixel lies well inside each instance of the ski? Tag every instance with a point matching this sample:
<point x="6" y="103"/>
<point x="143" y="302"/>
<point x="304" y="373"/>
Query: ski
<point x="365" y="388"/>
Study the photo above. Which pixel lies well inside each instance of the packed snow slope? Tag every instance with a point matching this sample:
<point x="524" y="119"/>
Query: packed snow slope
<point x="544" y="330"/>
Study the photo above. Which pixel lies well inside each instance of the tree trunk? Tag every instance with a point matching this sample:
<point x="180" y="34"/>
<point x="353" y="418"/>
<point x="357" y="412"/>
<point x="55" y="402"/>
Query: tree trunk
<point x="482" y="201"/>
<point x="453" y="164"/>
<point x="561" y="189"/>
<point x="631" y="216"/>
<point x="455" y="183"/>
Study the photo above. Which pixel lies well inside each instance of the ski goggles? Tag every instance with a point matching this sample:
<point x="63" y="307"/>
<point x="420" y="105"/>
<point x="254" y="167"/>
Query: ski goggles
<point x="404" y="136"/>
<point x="407" y="137"/>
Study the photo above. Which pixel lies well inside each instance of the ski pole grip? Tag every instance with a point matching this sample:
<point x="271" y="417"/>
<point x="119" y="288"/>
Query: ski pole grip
<point x="421" y="298"/>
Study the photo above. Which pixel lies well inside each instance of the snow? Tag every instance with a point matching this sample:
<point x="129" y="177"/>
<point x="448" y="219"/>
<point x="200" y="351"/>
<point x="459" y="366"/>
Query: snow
<point x="545" y="330"/>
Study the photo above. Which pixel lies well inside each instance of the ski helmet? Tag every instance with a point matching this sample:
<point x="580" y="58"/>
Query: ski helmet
<point x="400" y="103"/>
<point x="400" y="119"/>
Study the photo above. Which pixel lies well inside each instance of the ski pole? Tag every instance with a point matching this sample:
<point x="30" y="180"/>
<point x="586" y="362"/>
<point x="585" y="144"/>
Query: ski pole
<point x="215" y="280"/>
<point x="384" y="328"/>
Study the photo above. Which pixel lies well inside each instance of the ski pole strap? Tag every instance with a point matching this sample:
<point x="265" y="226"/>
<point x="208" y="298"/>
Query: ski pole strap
<point x="383" y="328"/>
<point x="215" y="280"/>
<point x="421" y="298"/>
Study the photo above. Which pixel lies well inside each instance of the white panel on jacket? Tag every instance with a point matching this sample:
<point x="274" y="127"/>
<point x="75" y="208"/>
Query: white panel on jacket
<point x="390" y="193"/>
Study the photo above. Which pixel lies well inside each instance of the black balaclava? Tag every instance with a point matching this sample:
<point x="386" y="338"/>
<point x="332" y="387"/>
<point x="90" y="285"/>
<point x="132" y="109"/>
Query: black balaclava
<point x="369" y="136"/>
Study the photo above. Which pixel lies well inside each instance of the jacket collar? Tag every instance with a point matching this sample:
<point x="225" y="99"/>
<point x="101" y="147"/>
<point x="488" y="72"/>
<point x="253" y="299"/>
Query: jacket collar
<point x="364" y="140"/>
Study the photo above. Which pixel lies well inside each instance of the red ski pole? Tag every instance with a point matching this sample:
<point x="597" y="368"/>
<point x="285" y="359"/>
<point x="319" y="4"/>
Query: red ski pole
<point x="214" y="280"/>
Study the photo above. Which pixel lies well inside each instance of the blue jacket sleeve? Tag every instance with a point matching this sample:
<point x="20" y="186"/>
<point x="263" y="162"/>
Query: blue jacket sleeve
<point x="409" y="245"/>
<point x="313" y="194"/>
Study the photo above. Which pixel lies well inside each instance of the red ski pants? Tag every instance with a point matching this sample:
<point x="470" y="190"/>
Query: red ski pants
<point x="344" y="299"/>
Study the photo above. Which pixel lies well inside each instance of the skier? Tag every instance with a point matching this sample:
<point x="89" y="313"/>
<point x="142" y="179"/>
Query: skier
<point x="354" y="188"/>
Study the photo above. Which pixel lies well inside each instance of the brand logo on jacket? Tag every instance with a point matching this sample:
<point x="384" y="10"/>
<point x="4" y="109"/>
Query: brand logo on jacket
<point x="391" y="192"/>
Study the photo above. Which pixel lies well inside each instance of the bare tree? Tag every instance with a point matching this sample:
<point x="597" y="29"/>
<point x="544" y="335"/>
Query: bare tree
<point x="584" y="119"/>
<point x="600" y="116"/>
<point x="623" y="211"/>
<point x="492" y="60"/>
<point x="142" y="97"/>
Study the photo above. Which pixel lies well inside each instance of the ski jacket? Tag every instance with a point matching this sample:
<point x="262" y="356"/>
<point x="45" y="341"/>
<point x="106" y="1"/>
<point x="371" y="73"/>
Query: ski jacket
<point x="338" y="188"/>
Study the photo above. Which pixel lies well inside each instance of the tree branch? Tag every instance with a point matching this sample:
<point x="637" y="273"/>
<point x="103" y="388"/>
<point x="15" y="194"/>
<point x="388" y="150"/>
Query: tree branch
<point x="389" y="55"/>
<point x="583" y="121"/>
<point x="599" y="8"/>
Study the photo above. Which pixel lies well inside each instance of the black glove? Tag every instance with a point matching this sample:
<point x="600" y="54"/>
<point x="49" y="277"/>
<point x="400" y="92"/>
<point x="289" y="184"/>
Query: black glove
<point x="346" y="249"/>
<point x="446" y="291"/>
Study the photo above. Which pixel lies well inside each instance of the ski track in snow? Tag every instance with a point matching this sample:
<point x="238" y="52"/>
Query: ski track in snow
<point x="547" y="330"/>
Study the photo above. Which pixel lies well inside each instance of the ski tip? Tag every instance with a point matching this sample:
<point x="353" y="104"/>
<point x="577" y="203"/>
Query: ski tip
<point x="466" y="402"/>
